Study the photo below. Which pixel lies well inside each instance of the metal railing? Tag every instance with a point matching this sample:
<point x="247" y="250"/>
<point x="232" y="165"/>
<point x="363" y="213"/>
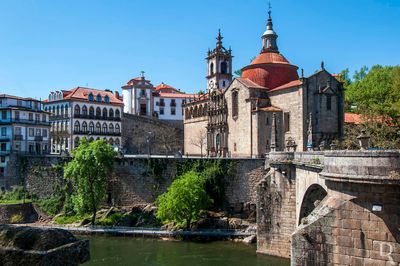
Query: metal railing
<point x="24" y="121"/>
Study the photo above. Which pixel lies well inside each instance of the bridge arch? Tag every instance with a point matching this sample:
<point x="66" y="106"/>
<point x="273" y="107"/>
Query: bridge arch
<point x="314" y="194"/>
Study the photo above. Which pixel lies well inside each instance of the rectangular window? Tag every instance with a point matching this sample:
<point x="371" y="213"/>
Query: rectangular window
<point x="3" y="160"/>
<point x="161" y="111"/>
<point x="173" y="103"/>
<point x="4" y="115"/>
<point x="37" y="117"/>
<point x="328" y="102"/>
<point x="16" y="115"/>
<point x="162" y="102"/>
<point x="38" y="132"/>
<point x="43" y="118"/>
<point x="31" y="132"/>
<point x="267" y="121"/>
<point x="30" y="117"/>
<point x="173" y="111"/>
<point x="17" y="131"/>
<point x="4" y="131"/>
<point x="286" y="120"/>
<point x="44" y="133"/>
<point x="3" y="146"/>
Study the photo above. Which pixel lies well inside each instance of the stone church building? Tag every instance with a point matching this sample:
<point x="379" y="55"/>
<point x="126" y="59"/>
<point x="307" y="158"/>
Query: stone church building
<point x="270" y="107"/>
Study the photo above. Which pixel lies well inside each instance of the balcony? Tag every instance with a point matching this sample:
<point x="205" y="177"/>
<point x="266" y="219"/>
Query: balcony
<point x="23" y="121"/>
<point x="105" y="118"/>
<point x="18" y="137"/>
<point x="38" y="138"/>
<point x="4" y="138"/>
<point x="81" y="132"/>
<point x="58" y="117"/>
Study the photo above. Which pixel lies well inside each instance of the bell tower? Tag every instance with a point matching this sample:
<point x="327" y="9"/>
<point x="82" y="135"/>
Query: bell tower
<point x="219" y="66"/>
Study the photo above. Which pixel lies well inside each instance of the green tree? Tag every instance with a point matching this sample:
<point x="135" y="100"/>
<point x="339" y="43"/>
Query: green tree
<point x="184" y="200"/>
<point x="88" y="170"/>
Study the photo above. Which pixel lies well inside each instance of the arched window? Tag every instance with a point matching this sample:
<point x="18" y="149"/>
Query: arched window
<point x="111" y="113"/>
<point x="98" y="98"/>
<point x="91" y="111"/>
<point x="84" y="127"/>
<point x="45" y="109"/>
<point x="106" y="99"/>
<point x="58" y="110"/>
<point x="212" y="69"/>
<point x="77" y="110"/>
<point x="111" y="141"/>
<point x="61" y="126"/>
<point x="62" y="110"/>
<point x="117" y="142"/>
<point x="98" y="127"/>
<point x="84" y="110"/>
<point x="117" y="129"/>
<point x="91" y="127"/>
<point x="66" y="110"/>
<point x="205" y="109"/>
<point x="54" y="110"/>
<point x="105" y="128"/>
<point x="117" y="113"/>
<point x="98" y="112"/>
<point x="111" y="128"/>
<point x="104" y="113"/>
<point x="235" y="103"/>
<point x="77" y="126"/>
<point x="76" y="142"/>
<point x="50" y="99"/>
<point x="224" y="68"/>
<point x="90" y="97"/>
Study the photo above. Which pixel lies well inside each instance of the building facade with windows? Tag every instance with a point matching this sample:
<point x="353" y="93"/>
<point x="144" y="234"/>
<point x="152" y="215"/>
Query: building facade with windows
<point x="24" y="129"/>
<point x="83" y="113"/>
<point x="163" y="101"/>
<point x="269" y="108"/>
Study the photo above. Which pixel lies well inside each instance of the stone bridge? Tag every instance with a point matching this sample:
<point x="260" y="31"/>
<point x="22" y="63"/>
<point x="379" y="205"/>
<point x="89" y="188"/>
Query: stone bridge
<point x="331" y="208"/>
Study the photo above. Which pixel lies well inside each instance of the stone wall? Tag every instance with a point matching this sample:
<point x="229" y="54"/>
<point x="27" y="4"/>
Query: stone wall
<point x="164" y="137"/>
<point x="17" y="213"/>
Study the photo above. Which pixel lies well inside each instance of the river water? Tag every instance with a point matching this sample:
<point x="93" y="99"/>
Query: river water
<point x="113" y="251"/>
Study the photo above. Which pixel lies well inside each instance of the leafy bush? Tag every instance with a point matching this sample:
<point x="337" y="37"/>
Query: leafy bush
<point x="63" y="219"/>
<point x="110" y="220"/>
<point x="17" y="193"/>
<point x="52" y="205"/>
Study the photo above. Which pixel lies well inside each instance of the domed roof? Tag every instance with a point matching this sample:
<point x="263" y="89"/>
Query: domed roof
<point x="270" y="58"/>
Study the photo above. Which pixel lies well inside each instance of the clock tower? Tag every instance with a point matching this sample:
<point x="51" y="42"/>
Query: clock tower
<point x="219" y="66"/>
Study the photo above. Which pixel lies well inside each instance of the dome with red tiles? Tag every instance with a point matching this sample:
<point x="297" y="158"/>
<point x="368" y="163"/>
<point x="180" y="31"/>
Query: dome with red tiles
<point x="270" y="69"/>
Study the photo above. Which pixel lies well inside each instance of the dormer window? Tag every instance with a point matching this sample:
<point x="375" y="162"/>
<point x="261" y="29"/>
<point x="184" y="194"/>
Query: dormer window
<point x="107" y="99"/>
<point x="90" y="97"/>
<point x="98" y="98"/>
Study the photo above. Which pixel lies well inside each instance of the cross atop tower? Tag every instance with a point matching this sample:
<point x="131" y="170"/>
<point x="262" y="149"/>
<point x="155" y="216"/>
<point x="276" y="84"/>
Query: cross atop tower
<point x="269" y="8"/>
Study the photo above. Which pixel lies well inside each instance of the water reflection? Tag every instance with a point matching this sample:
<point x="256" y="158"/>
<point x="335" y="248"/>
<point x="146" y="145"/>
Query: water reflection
<point x="153" y="252"/>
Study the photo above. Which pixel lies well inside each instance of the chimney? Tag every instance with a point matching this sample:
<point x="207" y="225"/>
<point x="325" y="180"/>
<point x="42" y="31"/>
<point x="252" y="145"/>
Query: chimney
<point x="116" y="94"/>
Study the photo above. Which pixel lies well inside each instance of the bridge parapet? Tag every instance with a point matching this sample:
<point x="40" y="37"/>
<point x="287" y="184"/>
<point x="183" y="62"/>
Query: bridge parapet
<point x="375" y="167"/>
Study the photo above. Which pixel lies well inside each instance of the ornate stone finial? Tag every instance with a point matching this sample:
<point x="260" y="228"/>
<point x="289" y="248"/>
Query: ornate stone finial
<point x="273" y="133"/>
<point x="219" y="39"/>
<point x="142" y="74"/>
<point x="363" y="140"/>
<point x="309" y="134"/>
<point x="322" y="65"/>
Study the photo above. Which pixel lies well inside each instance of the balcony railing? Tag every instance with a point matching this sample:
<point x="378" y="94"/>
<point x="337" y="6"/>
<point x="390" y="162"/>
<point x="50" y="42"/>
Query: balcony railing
<point x="81" y="132"/>
<point x="97" y="117"/>
<point x="23" y="121"/>
<point x="38" y="138"/>
<point x="58" y="117"/>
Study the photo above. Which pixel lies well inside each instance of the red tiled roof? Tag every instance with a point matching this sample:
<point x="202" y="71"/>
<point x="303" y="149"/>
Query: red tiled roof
<point x="270" y="109"/>
<point x="82" y="93"/>
<point x="17" y="97"/>
<point x="135" y="81"/>
<point x="269" y="57"/>
<point x="250" y="84"/>
<point x="166" y="88"/>
<point x="352" y="118"/>
<point x="288" y="85"/>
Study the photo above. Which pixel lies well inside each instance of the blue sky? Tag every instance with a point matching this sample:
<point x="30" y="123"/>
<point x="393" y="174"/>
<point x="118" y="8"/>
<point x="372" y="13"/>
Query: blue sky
<point x="52" y="45"/>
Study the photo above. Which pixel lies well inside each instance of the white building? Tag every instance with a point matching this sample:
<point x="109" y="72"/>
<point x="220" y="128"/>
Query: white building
<point x="83" y="113"/>
<point x="24" y="128"/>
<point x="163" y="101"/>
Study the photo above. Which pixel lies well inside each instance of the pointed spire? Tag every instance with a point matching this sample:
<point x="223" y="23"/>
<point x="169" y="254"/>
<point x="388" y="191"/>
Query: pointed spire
<point x="269" y="37"/>
<point x="219" y="39"/>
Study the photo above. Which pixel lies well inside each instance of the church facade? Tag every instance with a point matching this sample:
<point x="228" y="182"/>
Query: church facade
<point x="269" y="108"/>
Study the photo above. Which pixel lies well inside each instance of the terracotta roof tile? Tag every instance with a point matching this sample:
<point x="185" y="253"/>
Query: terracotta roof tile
<point x="176" y="95"/>
<point x="250" y="84"/>
<point x="288" y="85"/>
<point x="270" y="109"/>
<point x="82" y="93"/>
